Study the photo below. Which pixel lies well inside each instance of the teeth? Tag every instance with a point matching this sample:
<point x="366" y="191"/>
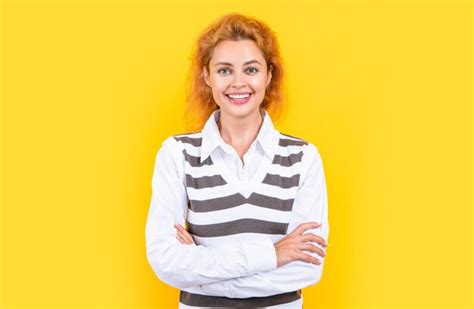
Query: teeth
<point x="239" y="96"/>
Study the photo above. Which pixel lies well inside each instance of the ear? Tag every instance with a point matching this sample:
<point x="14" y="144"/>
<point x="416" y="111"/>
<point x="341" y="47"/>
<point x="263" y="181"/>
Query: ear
<point x="206" y="77"/>
<point x="269" y="77"/>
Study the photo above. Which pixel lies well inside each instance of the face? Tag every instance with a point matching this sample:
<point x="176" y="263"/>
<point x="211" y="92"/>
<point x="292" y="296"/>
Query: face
<point x="238" y="77"/>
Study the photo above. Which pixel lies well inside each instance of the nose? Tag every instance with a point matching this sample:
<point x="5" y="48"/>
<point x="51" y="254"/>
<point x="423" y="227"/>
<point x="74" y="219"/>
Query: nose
<point x="238" y="80"/>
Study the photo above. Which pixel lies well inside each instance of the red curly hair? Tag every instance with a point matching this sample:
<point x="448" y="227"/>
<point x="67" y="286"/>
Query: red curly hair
<point x="199" y="100"/>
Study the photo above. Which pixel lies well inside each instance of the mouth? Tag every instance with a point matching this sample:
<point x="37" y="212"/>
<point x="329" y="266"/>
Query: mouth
<point x="239" y="98"/>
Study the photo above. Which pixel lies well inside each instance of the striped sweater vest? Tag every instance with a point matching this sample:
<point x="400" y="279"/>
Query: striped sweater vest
<point x="223" y="209"/>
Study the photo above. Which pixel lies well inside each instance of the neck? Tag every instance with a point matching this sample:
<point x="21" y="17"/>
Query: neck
<point x="240" y="132"/>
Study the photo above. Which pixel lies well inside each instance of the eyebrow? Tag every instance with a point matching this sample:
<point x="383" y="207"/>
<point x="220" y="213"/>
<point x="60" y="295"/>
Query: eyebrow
<point x="230" y="64"/>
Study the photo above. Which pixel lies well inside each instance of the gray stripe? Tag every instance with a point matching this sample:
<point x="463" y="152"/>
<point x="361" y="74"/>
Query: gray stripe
<point x="294" y="137"/>
<point x="290" y="142"/>
<point x="281" y="181"/>
<point x="237" y="227"/>
<point x="196" y="161"/>
<point x="238" y="199"/>
<point x="198" y="300"/>
<point x="289" y="160"/>
<point x="204" y="181"/>
<point x="195" y="141"/>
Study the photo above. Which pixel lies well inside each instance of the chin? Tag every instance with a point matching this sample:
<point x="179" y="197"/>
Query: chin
<point x="240" y="111"/>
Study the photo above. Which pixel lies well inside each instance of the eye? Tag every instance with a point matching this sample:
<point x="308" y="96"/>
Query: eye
<point x="222" y="69"/>
<point x="250" y="68"/>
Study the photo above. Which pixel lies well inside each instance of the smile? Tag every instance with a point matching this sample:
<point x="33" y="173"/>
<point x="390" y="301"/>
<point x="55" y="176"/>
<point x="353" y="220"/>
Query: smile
<point x="239" y="98"/>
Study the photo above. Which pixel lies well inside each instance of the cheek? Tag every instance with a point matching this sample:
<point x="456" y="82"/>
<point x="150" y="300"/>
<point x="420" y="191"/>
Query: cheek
<point x="258" y="84"/>
<point x="219" y="87"/>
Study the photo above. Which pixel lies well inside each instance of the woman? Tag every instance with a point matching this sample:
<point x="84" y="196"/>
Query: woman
<point x="238" y="215"/>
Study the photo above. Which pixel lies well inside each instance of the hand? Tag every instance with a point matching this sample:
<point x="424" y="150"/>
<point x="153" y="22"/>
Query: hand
<point x="183" y="236"/>
<point x="290" y="248"/>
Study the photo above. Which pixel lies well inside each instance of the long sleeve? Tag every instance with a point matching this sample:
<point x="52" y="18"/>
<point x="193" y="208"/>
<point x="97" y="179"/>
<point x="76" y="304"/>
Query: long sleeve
<point x="185" y="266"/>
<point x="311" y="204"/>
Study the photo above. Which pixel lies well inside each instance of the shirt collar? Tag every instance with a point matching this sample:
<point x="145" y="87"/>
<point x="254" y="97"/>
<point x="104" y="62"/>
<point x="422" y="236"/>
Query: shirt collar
<point x="267" y="136"/>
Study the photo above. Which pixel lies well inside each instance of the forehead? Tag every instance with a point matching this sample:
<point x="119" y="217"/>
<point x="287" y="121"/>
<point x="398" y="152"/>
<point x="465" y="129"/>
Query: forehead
<point x="237" y="52"/>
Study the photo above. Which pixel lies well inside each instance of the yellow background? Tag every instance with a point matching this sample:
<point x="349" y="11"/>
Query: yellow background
<point x="90" y="89"/>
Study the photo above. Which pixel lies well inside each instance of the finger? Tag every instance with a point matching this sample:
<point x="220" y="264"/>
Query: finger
<point x="183" y="232"/>
<point x="308" y="258"/>
<point x="305" y="226"/>
<point x="314" y="238"/>
<point x="186" y="240"/>
<point x="180" y="239"/>
<point x="179" y="227"/>
<point x="189" y="239"/>
<point x="187" y="236"/>
<point x="178" y="231"/>
<point x="313" y="248"/>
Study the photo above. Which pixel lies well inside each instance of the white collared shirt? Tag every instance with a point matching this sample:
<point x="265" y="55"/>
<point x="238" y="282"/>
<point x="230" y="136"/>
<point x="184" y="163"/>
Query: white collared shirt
<point x="263" y="145"/>
<point x="238" y="270"/>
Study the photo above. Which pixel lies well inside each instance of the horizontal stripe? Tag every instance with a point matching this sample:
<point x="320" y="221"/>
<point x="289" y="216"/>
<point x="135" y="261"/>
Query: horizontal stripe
<point x="198" y="300"/>
<point x="290" y="142"/>
<point x="239" y="212"/>
<point x="245" y="189"/>
<point x="284" y="171"/>
<point x="294" y="138"/>
<point x="282" y="182"/>
<point x="204" y="181"/>
<point x="238" y="199"/>
<point x="214" y="192"/>
<point x="203" y="170"/>
<point x="237" y="227"/>
<point x="196" y="161"/>
<point x="288" y="160"/>
<point x="195" y="141"/>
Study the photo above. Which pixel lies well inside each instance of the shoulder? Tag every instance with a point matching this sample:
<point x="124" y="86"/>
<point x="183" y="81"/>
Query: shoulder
<point x="191" y="138"/>
<point x="291" y="140"/>
<point x="308" y="148"/>
<point x="171" y="154"/>
<point x="308" y="151"/>
<point x="178" y="142"/>
<point x="178" y="146"/>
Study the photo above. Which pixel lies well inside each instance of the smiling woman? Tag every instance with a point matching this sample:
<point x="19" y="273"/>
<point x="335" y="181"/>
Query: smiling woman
<point x="213" y="56"/>
<point x="238" y="87"/>
<point x="238" y="214"/>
